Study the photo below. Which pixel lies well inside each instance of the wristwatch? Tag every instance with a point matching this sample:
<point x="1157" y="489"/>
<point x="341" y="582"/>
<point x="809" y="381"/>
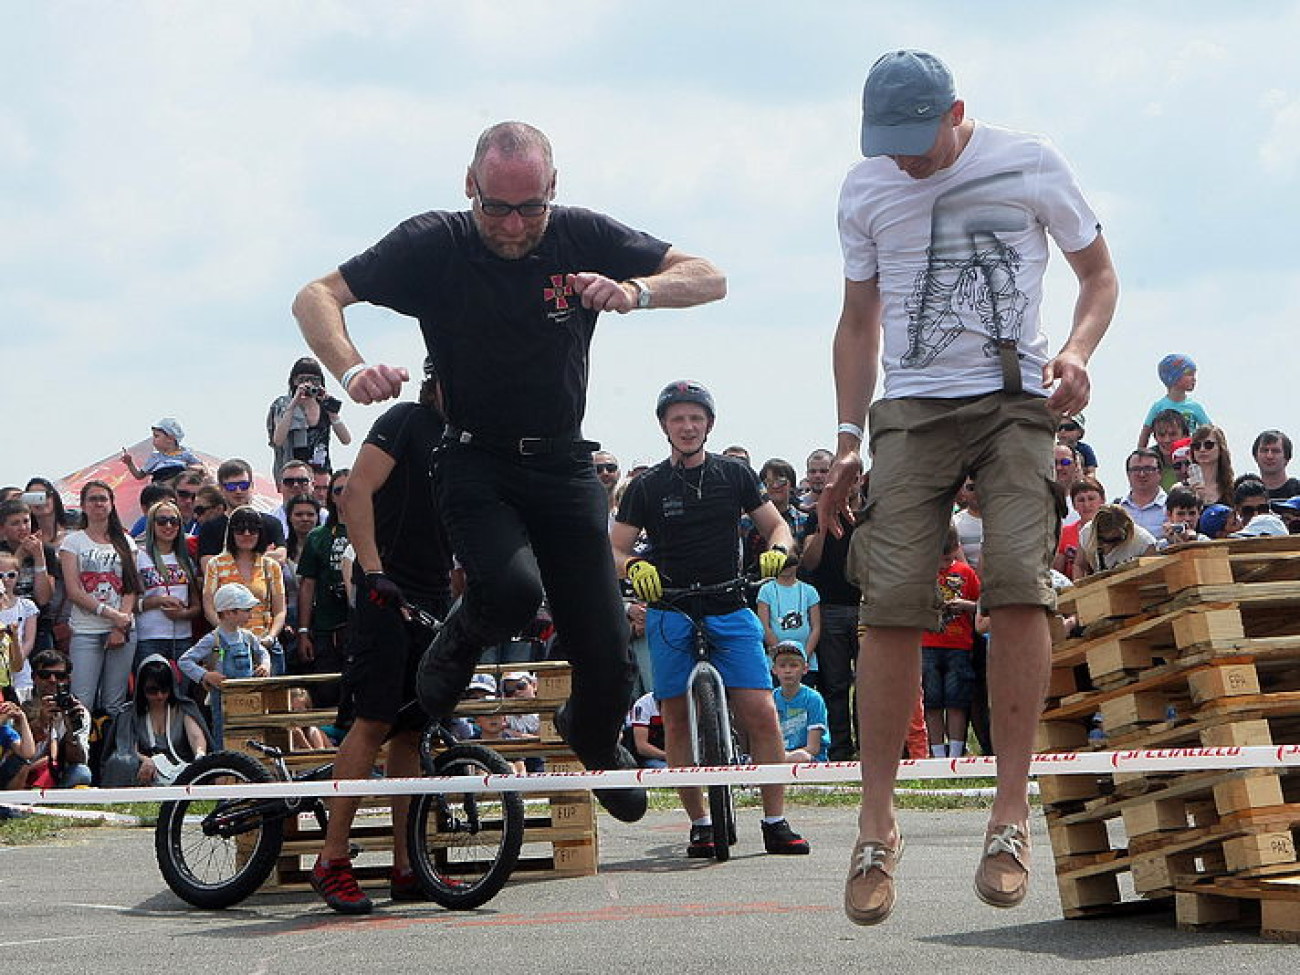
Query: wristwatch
<point x="642" y="292"/>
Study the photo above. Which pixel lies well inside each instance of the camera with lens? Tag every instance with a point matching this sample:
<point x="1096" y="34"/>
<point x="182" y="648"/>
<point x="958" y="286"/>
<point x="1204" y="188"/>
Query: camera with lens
<point x="66" y="703"/>
<point x="313" y="389"/>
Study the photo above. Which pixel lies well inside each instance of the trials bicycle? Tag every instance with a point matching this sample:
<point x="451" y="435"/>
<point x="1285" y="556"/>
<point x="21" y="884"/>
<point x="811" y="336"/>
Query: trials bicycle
<point x="463" y="846"/>
<point x="708" y="714"/>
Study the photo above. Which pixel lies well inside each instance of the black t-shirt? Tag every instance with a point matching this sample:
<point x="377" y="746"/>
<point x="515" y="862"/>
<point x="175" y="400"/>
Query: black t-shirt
<point x="509" y="342"/>
<point x="1289" y="488"/>
<point x="212" y="533"/>
<point x="408" y="532"/>
<point x="690" y="517"/>
<point x="828" y="578"/>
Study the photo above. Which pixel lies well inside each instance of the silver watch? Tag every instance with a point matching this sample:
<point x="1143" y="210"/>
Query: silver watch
<point x="642" y="292"/>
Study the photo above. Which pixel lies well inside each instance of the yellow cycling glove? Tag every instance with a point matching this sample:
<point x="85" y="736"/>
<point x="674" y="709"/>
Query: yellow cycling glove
<point x="645" y="580"/>
<point x="771" y="562"/>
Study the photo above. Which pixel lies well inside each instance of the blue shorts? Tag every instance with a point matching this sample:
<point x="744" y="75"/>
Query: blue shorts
<point x="736" y="640"/>
<point x="947" y="678"/>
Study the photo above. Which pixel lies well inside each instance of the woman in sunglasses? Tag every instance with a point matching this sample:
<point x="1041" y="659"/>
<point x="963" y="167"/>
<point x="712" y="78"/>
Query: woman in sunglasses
<point x="245" y="561"/>
<point x="98" y="564"/>
<point x="171" y="586"/>
<point x="158" y="733"/>
<point x="1210" y="475"/>
<point x="1111" y="539"/>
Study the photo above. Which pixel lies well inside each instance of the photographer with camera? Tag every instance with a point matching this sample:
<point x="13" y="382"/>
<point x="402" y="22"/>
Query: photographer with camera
<point x="299" y="423"/>
<point x="60" y="727"/>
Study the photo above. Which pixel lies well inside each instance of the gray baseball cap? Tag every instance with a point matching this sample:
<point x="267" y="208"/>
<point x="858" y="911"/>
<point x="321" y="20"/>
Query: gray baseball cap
<point x="903" y="102"/>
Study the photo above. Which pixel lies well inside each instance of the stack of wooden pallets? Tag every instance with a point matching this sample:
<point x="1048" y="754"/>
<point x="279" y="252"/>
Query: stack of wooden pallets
<point x="1196" y="648"/>
<point x="560" y="838"/>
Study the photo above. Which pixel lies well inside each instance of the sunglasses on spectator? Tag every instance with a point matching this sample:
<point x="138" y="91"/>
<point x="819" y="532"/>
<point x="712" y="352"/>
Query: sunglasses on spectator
<point x="1251" y="510"/>
<point x="236" y="485"/>
<point x="50" y="674"/>
<point x="9" y="574"/>
<point x="246" y="528"/>
<point x="186" y="495"/>
<point x="99" y="499"/>
<point x="300" y="481"/>
<point x="336" y="491"/>
<point x="1064" y="462"/>
<point x="1205" y="444"/>
<point x="1111" y="539"/>
<point x="1144" y="470"/>
<point x="167" y="521"/>
<point x="606" y="468"/>
<point x="200" y="510"/>
<point x="1068" y="427"/>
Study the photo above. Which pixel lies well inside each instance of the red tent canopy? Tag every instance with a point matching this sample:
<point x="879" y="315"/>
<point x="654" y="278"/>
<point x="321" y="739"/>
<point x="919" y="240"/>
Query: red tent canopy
<point x="126" y="489"/>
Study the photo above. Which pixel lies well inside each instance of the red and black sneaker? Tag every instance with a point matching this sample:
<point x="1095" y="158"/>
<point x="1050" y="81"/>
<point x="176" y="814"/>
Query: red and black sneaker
<point x="403" y="886"/>
<point x="778" y="837"/>
<point x="335" y="882"/>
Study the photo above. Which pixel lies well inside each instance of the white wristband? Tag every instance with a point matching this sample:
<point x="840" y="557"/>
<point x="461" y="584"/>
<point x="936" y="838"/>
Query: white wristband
<point x="351" y="374"/>
<point x="850" y="428"/>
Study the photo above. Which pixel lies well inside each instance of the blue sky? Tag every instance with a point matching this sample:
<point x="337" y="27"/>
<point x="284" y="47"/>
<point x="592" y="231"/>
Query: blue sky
<point x="171" y="173"/>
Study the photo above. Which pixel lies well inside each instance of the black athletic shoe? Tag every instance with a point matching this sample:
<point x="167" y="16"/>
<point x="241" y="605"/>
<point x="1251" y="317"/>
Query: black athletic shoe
<point x="701" y="845"/>
<point x="441" y="679"/>
<point x="778" y="837"/>
<point x="628" y="805"/>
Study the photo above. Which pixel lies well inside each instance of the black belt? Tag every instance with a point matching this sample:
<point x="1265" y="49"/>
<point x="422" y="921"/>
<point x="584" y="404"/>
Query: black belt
<point x="522" y="446"/>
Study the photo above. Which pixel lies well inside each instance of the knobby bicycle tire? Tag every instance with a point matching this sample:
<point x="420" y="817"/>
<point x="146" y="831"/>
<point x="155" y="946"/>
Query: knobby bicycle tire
<point x="715" y="751"/>
<point x="209" y="870"/>
<point x="464" y="846"/>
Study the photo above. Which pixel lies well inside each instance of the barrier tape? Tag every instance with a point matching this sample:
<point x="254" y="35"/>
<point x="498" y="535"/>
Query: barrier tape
<point x="969" y="766"/>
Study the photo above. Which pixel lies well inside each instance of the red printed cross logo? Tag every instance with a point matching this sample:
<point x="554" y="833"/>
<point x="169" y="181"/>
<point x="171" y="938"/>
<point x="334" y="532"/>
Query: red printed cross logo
<point x="559" y="292"/>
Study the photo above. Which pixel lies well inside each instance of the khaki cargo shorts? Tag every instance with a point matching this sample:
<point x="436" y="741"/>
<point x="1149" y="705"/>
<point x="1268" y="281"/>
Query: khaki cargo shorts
<point x="923" y="449"/>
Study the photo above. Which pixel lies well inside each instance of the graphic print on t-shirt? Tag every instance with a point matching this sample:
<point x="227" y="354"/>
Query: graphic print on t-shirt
<point x="967" y="264"/>
<point x="558" y="292"/>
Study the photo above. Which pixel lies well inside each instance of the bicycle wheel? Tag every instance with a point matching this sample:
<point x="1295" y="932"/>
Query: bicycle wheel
<point x="715" y="750"/>
<point x="464" y="845"/>
<point x="214" y="853"/>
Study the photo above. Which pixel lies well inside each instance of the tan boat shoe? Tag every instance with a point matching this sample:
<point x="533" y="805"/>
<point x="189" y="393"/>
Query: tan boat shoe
<point x="1002" y="877"/>
<point x="869" y="889"/>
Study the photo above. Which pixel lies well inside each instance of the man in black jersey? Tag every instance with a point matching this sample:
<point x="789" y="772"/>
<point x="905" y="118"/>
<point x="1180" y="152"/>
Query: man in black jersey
<point x="401" y="553"/>
<point x="688" y="506"/>
<point x="507" y="295"/>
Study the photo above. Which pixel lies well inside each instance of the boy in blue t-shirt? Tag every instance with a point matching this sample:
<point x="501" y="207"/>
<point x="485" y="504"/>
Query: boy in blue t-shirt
<point x="799" y="708"/>
<point x="1178" y="373"/>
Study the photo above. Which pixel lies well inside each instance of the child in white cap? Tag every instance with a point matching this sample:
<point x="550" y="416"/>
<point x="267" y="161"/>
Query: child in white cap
<point x="228" y="651"/>
<point x="168" y="459"/>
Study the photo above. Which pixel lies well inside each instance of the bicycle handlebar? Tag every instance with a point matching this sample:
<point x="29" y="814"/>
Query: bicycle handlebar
<point x="736" y="585"/>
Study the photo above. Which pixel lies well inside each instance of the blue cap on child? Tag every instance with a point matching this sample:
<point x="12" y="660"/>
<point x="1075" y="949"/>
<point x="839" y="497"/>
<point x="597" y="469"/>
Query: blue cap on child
<point x="1174" y="367"/>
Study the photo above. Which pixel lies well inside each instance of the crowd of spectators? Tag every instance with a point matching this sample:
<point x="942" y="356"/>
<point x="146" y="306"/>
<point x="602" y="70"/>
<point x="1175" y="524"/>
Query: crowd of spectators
<point x="86" y="602"/>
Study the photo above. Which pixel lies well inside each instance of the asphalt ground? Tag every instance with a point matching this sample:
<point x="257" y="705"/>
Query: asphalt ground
<point x="95" y="902"/>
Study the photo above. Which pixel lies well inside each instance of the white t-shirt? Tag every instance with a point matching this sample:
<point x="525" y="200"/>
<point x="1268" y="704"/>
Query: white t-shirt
<point x="99" y="572"/>
<point x="959" y="252"/>
<point x="154" y="624"/>
<point x="970" y="532"/>
<point x="1137" y="545"/>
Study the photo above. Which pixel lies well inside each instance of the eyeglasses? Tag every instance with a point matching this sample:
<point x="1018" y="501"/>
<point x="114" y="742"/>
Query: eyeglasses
<point x="1068" y="428"/>
<point x="1251" y="510"/>
<point x="606" y="468"/>
<point x="186" y="495"/>
<point x="167" y="521"/>
<point x="300" y="481"/>
<point x="1144" y="470"/>
<point x="246" y="528"/>
<point x="98" y="499"/>
<point x="200" y="510"/>
<point x="1205" y="444"/>
<point x="1064" y="462"/>
<point x="499" y="208"/>
<point x="1111" y="539"/>
<point x="50" y="674"/>
<point x="9" y="574"/>
<point x="236" y="485"/>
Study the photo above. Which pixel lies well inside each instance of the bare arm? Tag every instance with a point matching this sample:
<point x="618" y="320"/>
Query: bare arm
<point x="1093" y="311"/>
<point x="319" y="311"/>
<point x="622" y="540"/>
<point x="855" y="363"/>
<point x="680" y="281"/>
<point x="369" y="474"/>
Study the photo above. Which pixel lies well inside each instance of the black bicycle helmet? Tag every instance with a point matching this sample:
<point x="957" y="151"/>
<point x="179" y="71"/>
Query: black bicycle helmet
<point x="685" y="391"/>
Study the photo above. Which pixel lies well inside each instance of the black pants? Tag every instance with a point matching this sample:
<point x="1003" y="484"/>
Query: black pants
<point x="837" y="654"/>
<point x="527" y="526"/>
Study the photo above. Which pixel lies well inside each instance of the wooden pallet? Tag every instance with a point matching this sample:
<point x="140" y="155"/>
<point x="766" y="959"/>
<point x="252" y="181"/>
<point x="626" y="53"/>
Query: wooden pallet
<point x="1270" y="905"/>
<point x="560" y="838"/>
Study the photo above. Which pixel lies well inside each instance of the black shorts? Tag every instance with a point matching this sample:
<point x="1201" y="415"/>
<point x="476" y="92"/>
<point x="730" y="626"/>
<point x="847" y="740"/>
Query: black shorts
<point x="383" y="655"/>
